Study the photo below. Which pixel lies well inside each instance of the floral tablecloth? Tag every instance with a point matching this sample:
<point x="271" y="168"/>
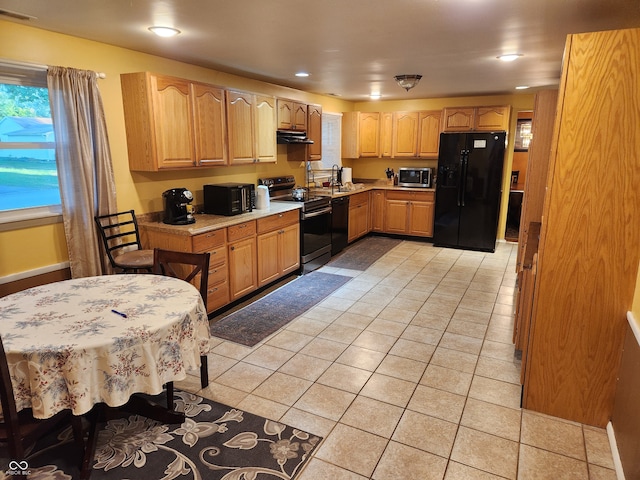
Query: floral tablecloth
<point x="69" y="348"/>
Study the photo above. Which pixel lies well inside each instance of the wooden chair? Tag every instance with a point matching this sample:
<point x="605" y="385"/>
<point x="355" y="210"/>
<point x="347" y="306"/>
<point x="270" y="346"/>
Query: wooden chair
<point x="186" y="266"/>
<point x="19" y="430"/>
<point x="121" y="239"/>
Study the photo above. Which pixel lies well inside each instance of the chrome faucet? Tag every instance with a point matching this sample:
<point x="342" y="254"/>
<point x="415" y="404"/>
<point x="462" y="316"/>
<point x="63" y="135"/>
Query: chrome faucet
<point x="335" y="170"/>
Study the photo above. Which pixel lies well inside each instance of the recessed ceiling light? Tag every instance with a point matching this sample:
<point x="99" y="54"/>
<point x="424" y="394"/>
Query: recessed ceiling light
<point x="165" y="31"/>
<point x="302" y="74"/>
<point x="375" y="96"/>
<point x="522" y="87"/>
<point x="509" y="57"/>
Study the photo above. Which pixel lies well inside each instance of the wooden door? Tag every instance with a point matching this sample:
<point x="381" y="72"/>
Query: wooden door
<point x="173" y="125"/>
<point x="405" y="136"/>
<point x="491" y="119"/>
<point x="265" y="129"/>
<point x="285" y="114"/>
<point x="299" y="116"/>
<point x="268" y="259"/>
<point x="210" y="125"/>
<point x="386" y="134"/>
<point x="241" y="127"/>
<point x="369" y="134"/>
<point x="377" y="210"/>
<point x="314" y="132"/>
<point x="395" y="216"/>
<point x="421" y="218"/>
<point x="458" y="119"/>
<point x="243" y="272"/>
<point x="429" y="133"/>
<point x="289" y="248"/>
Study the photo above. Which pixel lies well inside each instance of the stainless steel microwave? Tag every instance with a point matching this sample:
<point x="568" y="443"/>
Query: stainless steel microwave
<point x="415" y="177"/>
<point x="228" y="198"/>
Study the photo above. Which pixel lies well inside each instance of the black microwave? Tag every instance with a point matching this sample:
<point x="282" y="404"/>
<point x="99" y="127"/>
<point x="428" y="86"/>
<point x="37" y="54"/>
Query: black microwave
<point x="229" y="198"/>
<point x="414" y="177"/>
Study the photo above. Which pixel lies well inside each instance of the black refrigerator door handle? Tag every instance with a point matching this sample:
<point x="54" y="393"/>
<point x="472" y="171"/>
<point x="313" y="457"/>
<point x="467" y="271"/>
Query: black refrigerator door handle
<point x="463" y="186"/>
<point x="460" y="177"/>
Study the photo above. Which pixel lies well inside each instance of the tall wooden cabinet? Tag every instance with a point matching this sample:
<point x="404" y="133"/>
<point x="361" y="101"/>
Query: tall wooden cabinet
<point x="589" y="244"/>
<point x="172" y="122"/>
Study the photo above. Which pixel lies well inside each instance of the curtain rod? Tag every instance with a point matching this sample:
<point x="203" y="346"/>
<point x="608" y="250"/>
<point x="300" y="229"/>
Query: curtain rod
<point x="36" y="66"/>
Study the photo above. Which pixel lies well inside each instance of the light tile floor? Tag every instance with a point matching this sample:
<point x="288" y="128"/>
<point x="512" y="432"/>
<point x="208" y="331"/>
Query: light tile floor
<point x="408" y="372"/>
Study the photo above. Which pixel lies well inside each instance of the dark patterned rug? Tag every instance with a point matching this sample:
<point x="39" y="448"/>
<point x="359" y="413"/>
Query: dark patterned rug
<point x="363" y="253"/>
<point x="214" y="442"/>
<point x="253" y="323"/>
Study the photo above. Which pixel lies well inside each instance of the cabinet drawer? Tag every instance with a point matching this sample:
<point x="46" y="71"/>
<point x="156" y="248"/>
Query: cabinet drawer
<point x="218" y="256"/>
<point x="410" y="196"/>
<point x="274" y="222"/>
<point x="358" y="199"/>
<point x="242" y="230"/>
<point x="208" y="241"/>
<point x="217" y="296"/>
<point x="217" y="274"/>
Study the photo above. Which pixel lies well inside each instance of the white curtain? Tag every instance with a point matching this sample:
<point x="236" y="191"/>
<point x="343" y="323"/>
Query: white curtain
<point x="85" y="172"/>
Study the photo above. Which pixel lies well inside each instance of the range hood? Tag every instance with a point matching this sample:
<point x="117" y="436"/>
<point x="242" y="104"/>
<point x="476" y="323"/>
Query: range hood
<point x="289" y="137"/>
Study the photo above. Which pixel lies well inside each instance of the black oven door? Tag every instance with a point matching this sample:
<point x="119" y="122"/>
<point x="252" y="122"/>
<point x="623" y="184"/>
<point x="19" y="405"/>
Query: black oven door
<point x="316" y="233"/>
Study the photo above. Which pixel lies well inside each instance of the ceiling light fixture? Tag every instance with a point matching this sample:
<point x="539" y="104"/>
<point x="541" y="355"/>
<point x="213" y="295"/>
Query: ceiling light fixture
<point x="302" y="74"/>
<point x="165" y="31"/>
<point x="522" y="87"/>
<point x="509" y="57"/>
<point x="375" y="96"/>
<point x="407" y="81"/>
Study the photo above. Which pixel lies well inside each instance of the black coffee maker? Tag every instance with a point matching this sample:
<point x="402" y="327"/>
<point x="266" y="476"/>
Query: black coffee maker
<point x="177" y="206"/>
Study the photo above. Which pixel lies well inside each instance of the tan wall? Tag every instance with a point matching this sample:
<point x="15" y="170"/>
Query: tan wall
<point x="24" y="248"/>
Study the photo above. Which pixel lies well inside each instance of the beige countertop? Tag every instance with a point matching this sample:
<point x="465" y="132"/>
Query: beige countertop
<point x="365" y="187"/>
<point x="206" y="223"/>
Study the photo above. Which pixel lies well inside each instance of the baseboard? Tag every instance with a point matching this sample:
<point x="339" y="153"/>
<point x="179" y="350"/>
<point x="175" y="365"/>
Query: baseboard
<point x="617" y="463"/>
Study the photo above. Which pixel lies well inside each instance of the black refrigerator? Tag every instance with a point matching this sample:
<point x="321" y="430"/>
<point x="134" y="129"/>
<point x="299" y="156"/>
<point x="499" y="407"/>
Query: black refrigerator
<point x="468" y="190"/>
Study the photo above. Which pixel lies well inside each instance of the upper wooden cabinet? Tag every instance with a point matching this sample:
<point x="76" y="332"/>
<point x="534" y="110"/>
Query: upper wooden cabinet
<point x="251" y="124"/>
<point x="462" y="119"/>
<point x="429" y="133"/>
<point x="292" y="115"/>
<point x="405" y="134"/>
<point x="172" y="123"/>
<point x="314" y="131"/>
<point x="391" y="134"/>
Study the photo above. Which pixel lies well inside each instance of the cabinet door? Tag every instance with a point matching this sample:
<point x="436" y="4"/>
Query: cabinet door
<point x="358" y="216"/>
<point x="405" y="134"/>
<point x="243" y="273"/>
<point x="421" y="218"/>
<point x="369" y="134"/>
<point x="395" y="216"/>
<point x="429" y="133"/>
<point x="314" y="132"/>
<point x="289" y="248"/>
<point x="241" y="125"/>
<point x="265" y="129"/>
<point x="386" y="134"/>
<point x="173" y="126"/>
<point x="299" y="116"/>
<point x="285" y="114"/>
<point x="492" y="118"/>
<point x="458" y="119"/>
<point x="268" y="261"/>
<point x="377" y="210"/>
<point x="209" y="125"/>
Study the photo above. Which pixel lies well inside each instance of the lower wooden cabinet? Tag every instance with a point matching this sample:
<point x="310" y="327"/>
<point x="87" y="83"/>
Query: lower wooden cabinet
<point x="244" y="256"/>
<point x="358" y="216"/>
<point x="278" y="246"/>
<point x="409" y="213"/>
<point x="243" y="270"/>
<point x="377" y="210"/>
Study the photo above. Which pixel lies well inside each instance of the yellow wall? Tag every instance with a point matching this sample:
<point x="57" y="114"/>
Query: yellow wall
<point x="28" y="248"/>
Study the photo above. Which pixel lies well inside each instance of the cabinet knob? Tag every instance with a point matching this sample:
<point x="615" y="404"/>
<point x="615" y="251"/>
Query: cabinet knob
<point x="233" y="248"/>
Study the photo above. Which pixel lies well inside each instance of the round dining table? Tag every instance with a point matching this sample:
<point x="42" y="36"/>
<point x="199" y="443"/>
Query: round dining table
<point x="77" y="343"/>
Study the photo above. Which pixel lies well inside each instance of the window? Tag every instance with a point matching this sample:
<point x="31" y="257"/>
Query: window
<point x="28" y="173"/>
<point x="331" y="140"/>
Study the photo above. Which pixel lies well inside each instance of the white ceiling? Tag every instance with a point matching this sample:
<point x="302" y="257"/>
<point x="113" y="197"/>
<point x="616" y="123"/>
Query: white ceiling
<point x="350" y="47"/>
